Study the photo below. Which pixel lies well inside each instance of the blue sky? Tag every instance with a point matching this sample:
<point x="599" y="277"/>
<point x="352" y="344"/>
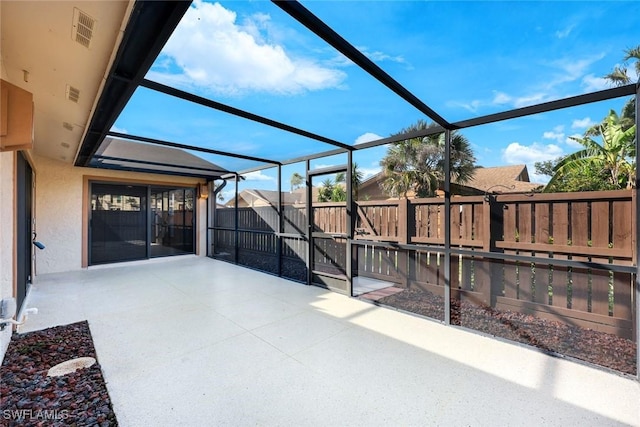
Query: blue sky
<point x="463" y="59"/>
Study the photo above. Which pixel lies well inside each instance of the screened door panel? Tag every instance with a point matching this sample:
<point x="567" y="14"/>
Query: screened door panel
<point x="172" y="221"/>
<point x="328" y="225"/>
<point x="118" y="227"/>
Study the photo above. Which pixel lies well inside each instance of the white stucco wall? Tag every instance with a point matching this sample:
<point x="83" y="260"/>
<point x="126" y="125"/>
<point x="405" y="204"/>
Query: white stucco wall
<point x="7" y="213"/>
<point x="59" y="209"/>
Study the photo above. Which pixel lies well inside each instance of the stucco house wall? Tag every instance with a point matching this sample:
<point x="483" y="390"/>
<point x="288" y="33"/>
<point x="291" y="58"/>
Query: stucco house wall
<point x="59" y="210"/>
<point x="7" y="217"/>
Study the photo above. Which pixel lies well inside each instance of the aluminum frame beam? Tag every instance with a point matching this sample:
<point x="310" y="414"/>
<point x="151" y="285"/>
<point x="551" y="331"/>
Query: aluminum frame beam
<point x="326" y="33"/>
<point x="190" y="147"/>
<point x="216" y="172"/>
<point x="559" y="104"/>
<point x="168" y="90"/>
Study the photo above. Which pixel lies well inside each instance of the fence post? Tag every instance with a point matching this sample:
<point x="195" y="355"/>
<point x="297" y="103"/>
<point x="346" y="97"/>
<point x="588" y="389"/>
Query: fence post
<point x="488" y="272"/>
<point x="403" y="220"/>
<point x="403" y="238"/>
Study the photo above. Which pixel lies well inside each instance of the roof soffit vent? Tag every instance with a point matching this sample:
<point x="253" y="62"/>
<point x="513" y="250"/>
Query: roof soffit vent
<point x="73" y="94"/>
<point x="83" y="25"/>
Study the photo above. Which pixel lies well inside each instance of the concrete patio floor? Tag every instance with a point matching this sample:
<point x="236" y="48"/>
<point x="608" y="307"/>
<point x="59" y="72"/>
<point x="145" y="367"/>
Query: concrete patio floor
<point x="194" y="341"/>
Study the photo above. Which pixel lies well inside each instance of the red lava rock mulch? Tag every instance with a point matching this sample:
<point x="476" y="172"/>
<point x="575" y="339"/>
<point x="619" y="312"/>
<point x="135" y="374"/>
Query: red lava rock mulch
<point x="28" y="397"/>
<point x="551" y="336"/>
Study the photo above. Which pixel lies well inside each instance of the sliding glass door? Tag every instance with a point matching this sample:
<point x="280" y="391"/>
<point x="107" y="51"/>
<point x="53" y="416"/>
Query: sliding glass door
<point x="172" y="221"/>
<point x="130" y="222"/>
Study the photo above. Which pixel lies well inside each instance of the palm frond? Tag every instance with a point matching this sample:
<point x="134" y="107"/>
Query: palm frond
<point x="632" y="53"/>
<point x="618" y="76"/>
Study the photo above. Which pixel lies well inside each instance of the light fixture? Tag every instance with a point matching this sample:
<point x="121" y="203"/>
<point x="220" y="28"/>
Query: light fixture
<point x="203" y="190"/>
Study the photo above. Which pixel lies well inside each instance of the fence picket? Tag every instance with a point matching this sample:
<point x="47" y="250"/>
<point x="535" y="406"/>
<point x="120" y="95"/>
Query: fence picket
<point x="600" y="292"/>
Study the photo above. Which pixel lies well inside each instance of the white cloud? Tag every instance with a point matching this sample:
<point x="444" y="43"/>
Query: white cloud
<point x="377" y="56"/>
<point x="501" y="98"/>
<point x="553" y="135"/>
<point x="571" y="69"/>
<point x="515" y="153"/>
<point x="536" y="98"/>
<point x="572" y="142"/>
<point x="470" y="106"/>
<point x="553" y="78"/>
<point x="369" y="172"/>
<point x="258" y="176"/>
<point x="366" y="137"/>
<point x="537" y="178"/>
<point x="592" y="83"/>
<point x="211" y="51"/>
<point x="255" y="24"/>
<point x="557" y="133"/>
<point x="582" y="123"/>
<point x="565" y="32"/>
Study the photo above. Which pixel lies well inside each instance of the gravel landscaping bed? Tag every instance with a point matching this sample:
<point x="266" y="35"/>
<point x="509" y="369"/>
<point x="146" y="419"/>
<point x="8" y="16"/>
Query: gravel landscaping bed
<point x="555" y="337"/>
<point x="31" y="398"/>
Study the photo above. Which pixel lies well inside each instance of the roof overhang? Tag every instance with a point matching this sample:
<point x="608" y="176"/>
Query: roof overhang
<point x="149" y="27"/>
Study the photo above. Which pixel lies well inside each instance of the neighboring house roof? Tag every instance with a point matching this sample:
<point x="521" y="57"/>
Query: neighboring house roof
<point x="498" y="179"/>
<point x="270" y="197"/>
<point x="502" y="179"/>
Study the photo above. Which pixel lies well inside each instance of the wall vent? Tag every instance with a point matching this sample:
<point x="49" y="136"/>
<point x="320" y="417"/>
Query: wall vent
<point x="83" y="26"/>
<point x="67" y="126"/>
<point x="73" y="94"/>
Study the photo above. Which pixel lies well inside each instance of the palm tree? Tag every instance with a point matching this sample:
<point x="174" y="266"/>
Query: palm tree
<point x="620" y="75"/>
<point x="356" y="179"/>
<point x="296" y="181"/>
<point x="326" y="190"/>
<point x="418" y="164"/>
<point x="615" y="156"/>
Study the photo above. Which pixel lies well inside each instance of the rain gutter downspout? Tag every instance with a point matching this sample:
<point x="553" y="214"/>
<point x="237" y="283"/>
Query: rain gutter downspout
<point x="211" y="218"/>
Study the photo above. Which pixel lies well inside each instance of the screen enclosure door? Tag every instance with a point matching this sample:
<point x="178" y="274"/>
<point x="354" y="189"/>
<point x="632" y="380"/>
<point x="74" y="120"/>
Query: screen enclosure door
<point x="328" y="229"/>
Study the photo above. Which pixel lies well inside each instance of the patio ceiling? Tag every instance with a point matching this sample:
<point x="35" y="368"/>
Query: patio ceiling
<point x="41" y="54"/>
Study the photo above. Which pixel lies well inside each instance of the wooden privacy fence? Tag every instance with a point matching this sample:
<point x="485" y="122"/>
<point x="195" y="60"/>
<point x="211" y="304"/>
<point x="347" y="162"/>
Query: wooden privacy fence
<point x="257" y="243"/>
<point x="588" y="227"/>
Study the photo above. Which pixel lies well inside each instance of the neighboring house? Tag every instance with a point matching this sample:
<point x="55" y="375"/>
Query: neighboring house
<point x="498" y="179"/>
<point x="502" y="179"/>
<point x="256" y="198"/>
